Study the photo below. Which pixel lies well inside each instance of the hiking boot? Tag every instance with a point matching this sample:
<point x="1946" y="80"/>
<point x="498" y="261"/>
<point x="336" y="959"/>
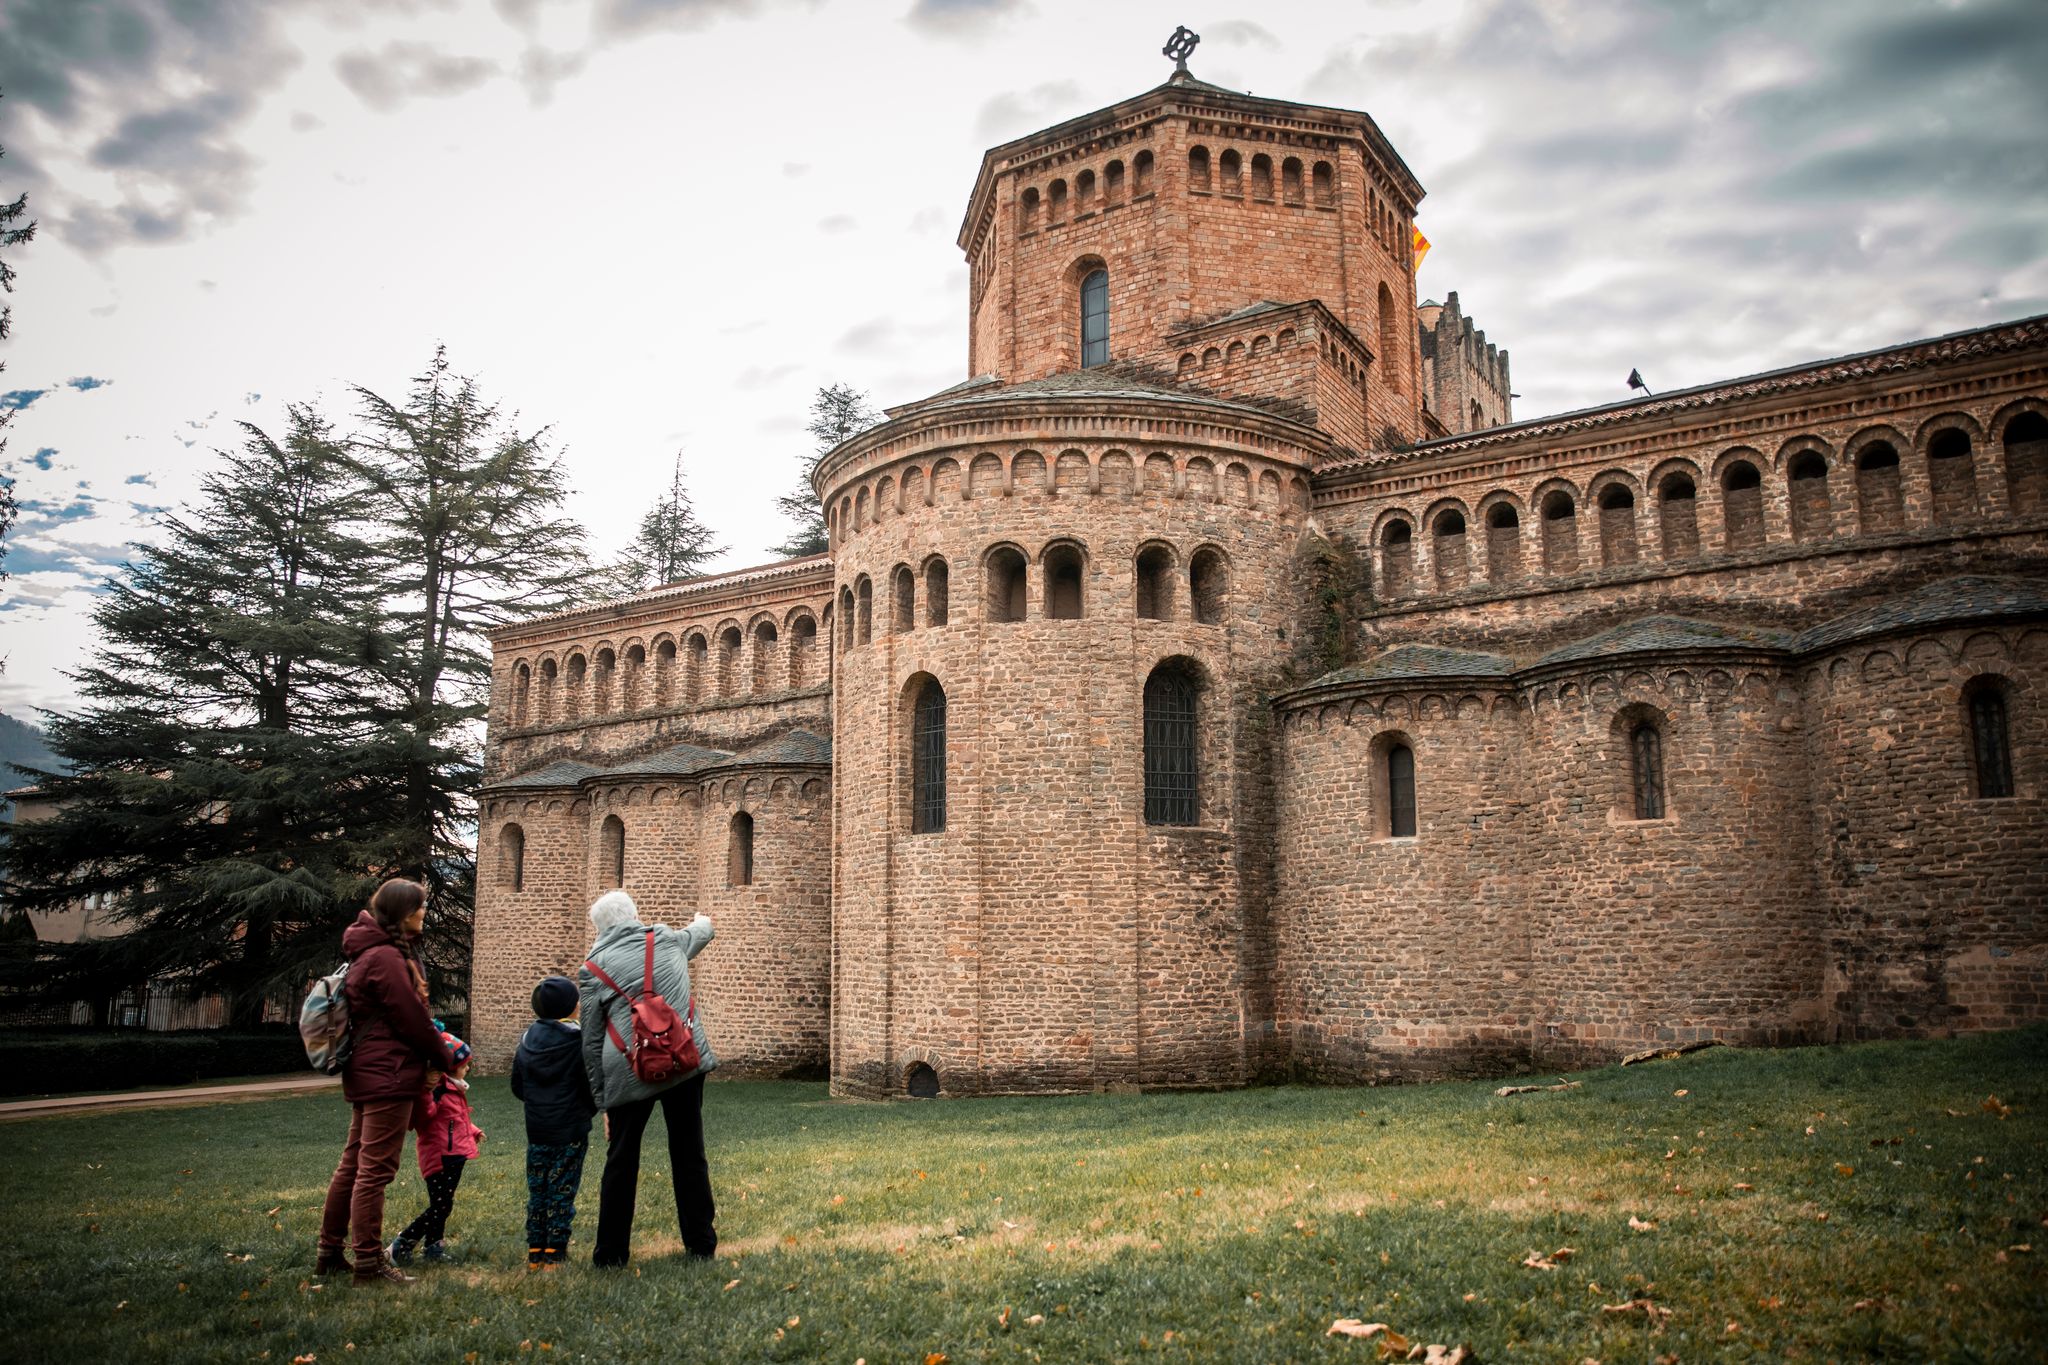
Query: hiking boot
<point x="383" y="1274"/>
<point x="399" y="1252"/>
<point x="332" y="1261"/>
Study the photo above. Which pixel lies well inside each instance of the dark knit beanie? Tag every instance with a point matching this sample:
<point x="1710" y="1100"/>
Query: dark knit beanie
<point x="554" y="998"/>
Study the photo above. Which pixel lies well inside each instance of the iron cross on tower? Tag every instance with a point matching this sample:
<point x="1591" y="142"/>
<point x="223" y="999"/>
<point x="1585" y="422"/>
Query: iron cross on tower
<point x="1179" y="46"/>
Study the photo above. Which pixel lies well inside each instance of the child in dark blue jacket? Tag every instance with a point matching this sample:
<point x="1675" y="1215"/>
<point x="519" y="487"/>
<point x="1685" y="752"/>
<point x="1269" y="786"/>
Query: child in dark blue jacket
<point x="548" y="1076"/>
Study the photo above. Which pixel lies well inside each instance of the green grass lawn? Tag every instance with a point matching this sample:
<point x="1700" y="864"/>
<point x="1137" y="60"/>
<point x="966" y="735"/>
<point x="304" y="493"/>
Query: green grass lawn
<point x="1828" y="1203"/>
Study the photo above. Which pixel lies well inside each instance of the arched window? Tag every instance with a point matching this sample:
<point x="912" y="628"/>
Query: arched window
<point x="512" y="858"/>
<point x="1198" y="169"/>
<point x="1678" y="525"/>
<point x="1448" y="553"/>
<point x="1056" y="203"/>
<point x="1155" y="583"/>
<point x="633" y="679"/>
<point x="1324" y="184"/>
<point x="522" y="693"/>
<point x="550" y="704"/>
<point x="1742" y="506"/>
<point x="1095" y="319"/>
<point x="1229" y="168"/>
<point x="1208" y="582"/>
<point x="572" y="687"/>
<point x="1027" y="211"/>
<point x="1951" y="471"/>
<point x="1389" y="358"/>
<point x="2026" y="463"/>
<point x="611" y="852"/>
<point x="601" y="682"/>
<point x="928" y="759"/>
<point x="1811" y="513"/>
<point x="1879" y="506"/>
<point x="1112" y="184"/>
<point x="1262" y="176"/>
<point x="1617" y="525"/>
<point x="1646" y="770"/>
<point x="1397" y="559"/>
<point x="845" y="618"/>
<point x="1141" y="174"/>
<point x="803" y="642"/>
<point x="1560" y="533"/>
<point x="665" y="673"/>
<point x="1503" y="543"/>
<point x="764" y="658"/>
<point x="1172" y="786"/>
<point x="1005" y="569"/>
<point x="1290" y="180"/>
<point x="903" y="588"/>
<point x="700" y="653"/>
<point x="1397" y="782"/>
<point x="1990" y="740"/>
<point x="1084" y="192"/>
<point x="728" y="661"/>
<point x="739" y="851"/>
<point x="1062" y="567"/>
<point x="935" y="580"/>
<point x="863" y="610"/>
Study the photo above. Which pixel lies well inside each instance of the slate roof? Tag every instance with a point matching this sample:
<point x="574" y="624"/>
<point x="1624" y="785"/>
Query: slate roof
<point x="1657" y="634"/>
<point x="678" y="761"/>
<point x="1421" y="661"/>
<point x="563" y="772"/>
<point x="1104" y="381"/>
<point x="1969" y="598"/>
<point x="798" y="748"/>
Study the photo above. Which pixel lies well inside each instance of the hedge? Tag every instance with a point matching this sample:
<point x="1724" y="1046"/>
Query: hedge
<point x="61" y="1061"/>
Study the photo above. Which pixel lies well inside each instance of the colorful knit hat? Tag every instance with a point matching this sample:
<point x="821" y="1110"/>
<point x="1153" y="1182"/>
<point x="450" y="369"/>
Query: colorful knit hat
<point x="456" y="1046"/>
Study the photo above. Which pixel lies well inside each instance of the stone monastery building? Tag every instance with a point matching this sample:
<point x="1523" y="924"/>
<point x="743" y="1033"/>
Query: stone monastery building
<point x="1220" y="685"/>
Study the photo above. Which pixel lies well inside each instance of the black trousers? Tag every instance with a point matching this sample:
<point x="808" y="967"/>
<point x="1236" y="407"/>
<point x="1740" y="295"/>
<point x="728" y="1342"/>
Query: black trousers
<point x="682" y="1110"/>
<point x="430" y="1226"/>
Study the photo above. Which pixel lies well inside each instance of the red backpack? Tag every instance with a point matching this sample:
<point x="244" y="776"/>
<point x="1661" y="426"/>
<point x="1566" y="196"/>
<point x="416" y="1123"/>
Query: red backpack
<point x="664" y="1047"/>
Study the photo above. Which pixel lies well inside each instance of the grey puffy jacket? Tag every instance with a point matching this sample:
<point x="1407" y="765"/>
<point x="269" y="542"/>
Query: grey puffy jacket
<point x="622" y="952"/>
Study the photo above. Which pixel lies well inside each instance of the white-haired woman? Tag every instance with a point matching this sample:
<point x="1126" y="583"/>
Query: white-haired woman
<point x="619" y="951"/>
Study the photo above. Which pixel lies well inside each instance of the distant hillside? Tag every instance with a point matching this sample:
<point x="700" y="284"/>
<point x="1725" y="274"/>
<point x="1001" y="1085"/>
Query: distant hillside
<point x="23" y="743"/>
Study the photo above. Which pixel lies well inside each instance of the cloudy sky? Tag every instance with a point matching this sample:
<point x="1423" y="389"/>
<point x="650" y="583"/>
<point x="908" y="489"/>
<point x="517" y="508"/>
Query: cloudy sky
<point x="655" y="226"/>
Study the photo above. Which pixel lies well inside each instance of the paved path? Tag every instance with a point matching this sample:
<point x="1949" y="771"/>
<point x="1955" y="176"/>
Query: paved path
<point x="160" y="1099"/>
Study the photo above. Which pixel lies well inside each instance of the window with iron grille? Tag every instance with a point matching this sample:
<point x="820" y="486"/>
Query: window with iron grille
<point x="1172" y="795"/>
<point x="928" y="761"/>
<point x="1400" y="792"/>
<point x="1095" y="319"/>
<point x="1646" y="769"/>
<point x="1990" y="745"/>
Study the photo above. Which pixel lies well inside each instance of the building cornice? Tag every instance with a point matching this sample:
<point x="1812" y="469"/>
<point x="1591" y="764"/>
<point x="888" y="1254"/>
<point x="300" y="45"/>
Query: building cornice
<point x="702" y="595"/>
<point x="1686" y="405"/>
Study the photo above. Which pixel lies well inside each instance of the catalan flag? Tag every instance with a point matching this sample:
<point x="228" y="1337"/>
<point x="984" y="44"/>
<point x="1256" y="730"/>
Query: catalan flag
<point x="1420" y="246"/>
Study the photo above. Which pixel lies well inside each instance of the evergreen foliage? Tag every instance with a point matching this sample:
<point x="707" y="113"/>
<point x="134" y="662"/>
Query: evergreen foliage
<point x="286" y="704"/>
<point x="672" y="544"/>
<point x="469" y="536"/>
<point x="13" y="233"/>
<point x="839" y="412"/>
<point x="224" y="796"/>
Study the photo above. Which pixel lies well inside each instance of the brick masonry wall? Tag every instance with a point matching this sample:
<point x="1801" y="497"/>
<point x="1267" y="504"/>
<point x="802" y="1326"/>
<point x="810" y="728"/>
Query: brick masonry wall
<point x="1049" y="938"/>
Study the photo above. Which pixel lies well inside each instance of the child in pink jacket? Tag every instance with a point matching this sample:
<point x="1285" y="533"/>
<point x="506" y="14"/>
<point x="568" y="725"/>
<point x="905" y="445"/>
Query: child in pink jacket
<point x="447" y="1142"/>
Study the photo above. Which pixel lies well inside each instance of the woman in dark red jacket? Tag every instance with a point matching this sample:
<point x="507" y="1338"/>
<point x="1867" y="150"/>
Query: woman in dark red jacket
<point x="394" y="1043"/>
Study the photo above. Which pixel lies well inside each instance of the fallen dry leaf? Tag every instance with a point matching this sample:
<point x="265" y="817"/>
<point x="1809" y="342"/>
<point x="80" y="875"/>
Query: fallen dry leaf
<point x="1867" y="1306"/>
<point x="1035" y="1320"/>
<point x="936" y="1358"/>
<point x="1442" y="1355"/>
<point x="1354" y="1327"/>
<point x="1745" y="1187"/>
<point x="1640" y="1225"/>
<point x="732" y="1284"/>
<point x="1844" y="1168"/>
<point x="1652" y="1311"/>
<point x="272" y="1213"/>
<point x="1992" y="1105"/>
<point x="1681" y="1094"/>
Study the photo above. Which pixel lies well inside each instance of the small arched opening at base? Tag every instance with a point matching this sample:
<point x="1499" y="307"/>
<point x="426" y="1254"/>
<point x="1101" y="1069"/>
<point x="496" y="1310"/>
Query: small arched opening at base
<point x="920" y="1081"/>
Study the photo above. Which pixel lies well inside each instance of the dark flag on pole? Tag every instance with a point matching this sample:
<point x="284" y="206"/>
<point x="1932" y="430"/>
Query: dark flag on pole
<point x="1635" y="381"/>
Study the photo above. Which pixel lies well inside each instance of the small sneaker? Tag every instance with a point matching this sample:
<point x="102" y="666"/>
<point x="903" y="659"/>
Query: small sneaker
<point x="536" y="1257"/>
<point x="383" y="1275"/>
<point x="399" y="1252"/>
<point x="435" y="1251"/>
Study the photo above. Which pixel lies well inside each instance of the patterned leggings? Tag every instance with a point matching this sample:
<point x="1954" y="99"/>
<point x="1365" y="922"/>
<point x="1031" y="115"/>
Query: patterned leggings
<point x="553" y="1174"/>
<point x="430" y="1226"/>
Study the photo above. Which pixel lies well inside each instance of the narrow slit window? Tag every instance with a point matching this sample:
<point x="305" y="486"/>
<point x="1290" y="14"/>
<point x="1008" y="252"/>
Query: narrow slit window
<point x="1990" y="742"/>
<point x="1646" y="771"/>
<point x="928" y="761"/>
<point x="739" y="858"/>
<point x="1400" y="792"/>
<point x="1171" y="788"/>
<point x="1095" y="319"/>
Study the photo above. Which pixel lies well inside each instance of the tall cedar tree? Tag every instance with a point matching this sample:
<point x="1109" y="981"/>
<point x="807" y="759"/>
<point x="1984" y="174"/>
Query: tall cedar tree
<point x="13" y="233"/>
<point x="839" y="412"/>
<point x="672" y="544"/>
<point x="223" y="790"/>
<point x="471" y="536"/>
